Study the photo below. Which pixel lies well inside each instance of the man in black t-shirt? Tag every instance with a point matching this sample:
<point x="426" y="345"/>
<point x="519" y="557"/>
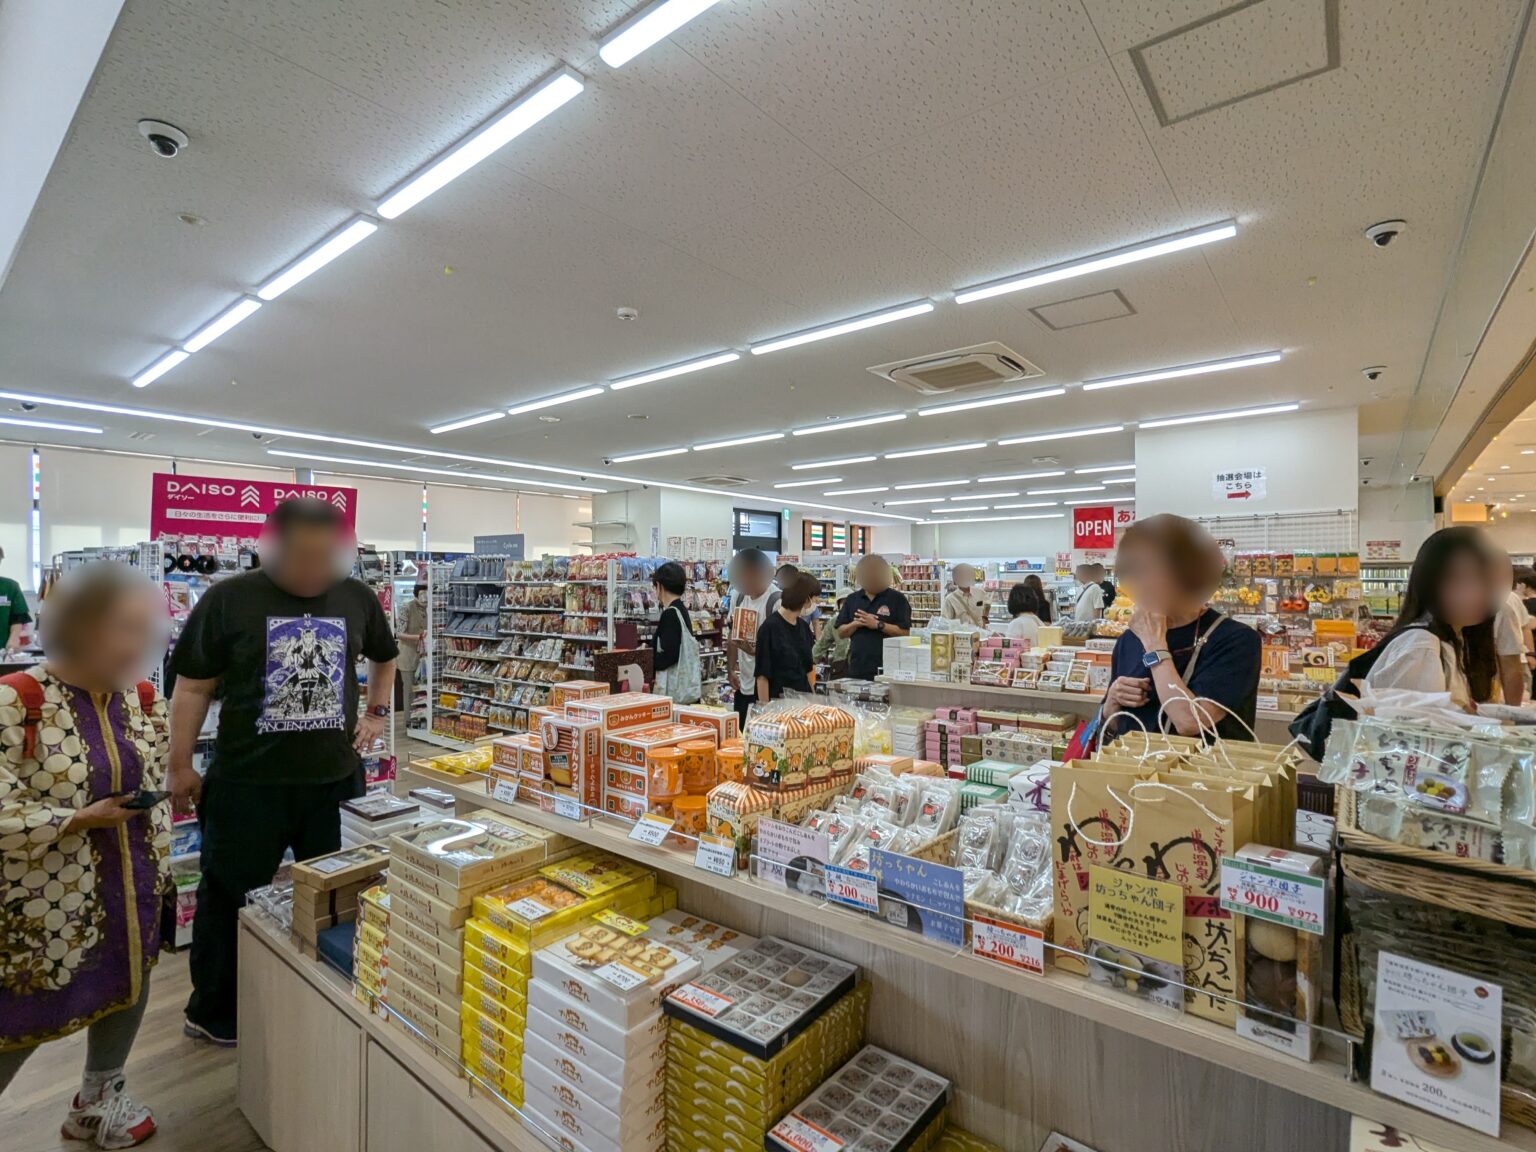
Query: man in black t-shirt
<point x="871" y="614"/>
<point x="280" y="645"/>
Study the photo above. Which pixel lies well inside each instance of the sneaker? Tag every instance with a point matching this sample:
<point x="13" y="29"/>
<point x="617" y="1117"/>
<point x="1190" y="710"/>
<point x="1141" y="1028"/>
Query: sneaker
<point x="223" y="1037"/>
<point x="115" y="1120"/>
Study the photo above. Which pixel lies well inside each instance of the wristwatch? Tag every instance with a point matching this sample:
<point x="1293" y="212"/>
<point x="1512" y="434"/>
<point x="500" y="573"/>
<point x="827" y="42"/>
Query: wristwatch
<point x="379" y="710"/>
<point x="1152" y="659"/>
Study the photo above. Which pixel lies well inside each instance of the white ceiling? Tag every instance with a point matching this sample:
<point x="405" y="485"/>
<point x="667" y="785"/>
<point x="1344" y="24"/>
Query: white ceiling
<point x="776" y="165"/>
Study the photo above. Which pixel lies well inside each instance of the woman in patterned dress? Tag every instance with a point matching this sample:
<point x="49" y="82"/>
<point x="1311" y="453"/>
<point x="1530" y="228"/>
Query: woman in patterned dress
<point x="81" y="874"/>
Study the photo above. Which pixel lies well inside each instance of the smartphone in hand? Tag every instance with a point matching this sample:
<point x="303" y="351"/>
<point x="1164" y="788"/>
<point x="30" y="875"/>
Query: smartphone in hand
<point x="145" y="799"/>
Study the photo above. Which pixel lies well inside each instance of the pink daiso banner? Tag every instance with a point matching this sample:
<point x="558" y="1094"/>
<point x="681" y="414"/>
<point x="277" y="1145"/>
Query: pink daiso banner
<point x="208" y="506"/>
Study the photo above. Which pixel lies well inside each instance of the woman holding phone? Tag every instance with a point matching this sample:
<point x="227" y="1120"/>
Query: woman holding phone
<point x="84" y="837"/>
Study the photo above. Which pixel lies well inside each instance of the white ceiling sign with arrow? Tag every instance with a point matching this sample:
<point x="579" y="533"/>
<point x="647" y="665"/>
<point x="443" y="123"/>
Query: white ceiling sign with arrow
<point x="1239" y="485"/>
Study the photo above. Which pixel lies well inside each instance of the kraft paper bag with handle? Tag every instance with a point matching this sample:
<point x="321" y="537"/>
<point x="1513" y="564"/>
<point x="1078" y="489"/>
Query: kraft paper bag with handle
<point x="1180" y="833"/>
<point x="1268" y="817"/>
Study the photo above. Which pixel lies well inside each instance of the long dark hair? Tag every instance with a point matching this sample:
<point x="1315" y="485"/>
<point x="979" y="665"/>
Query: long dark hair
<point x="1475" y="651"/>
<point x="1034" y="583"/>
<point x="1022" y="598"/>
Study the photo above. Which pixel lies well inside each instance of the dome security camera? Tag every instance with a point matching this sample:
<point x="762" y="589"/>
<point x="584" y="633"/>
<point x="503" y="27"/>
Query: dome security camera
<point x="28" y="406"/>
<point x="1386" y="232"/>
<point x="1373" y="372"/>
<point x="167" y="140"/>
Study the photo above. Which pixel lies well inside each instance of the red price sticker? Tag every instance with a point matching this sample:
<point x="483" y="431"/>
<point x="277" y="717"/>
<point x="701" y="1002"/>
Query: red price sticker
<point x="702" y="999"/>
<point x="1293" y="899"/>
<point x="1009" y="944"/>
<point x="795" y="1131"/>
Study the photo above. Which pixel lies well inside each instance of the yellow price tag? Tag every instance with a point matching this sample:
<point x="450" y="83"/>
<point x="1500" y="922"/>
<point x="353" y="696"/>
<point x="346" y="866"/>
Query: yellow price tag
<point x="621" y="923"/>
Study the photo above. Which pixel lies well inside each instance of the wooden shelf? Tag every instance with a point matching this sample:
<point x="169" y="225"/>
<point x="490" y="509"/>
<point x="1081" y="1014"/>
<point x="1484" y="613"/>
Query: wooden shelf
<point x="1326" y="1079"/>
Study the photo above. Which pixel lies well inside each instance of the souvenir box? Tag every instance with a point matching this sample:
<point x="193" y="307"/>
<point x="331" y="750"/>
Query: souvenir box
<point x="576" y="1132"/>
<point x="595" y="967"/>
<point x="874" y="1093"/>
<point x="724" y="721"/>
<point x="476" y="850"/>
<point x="734" y="810"/>
<point x="575" y="1027"/>
<point x="622" y="1121"/>
<point x="626" y="710"/>
<point x="567" y="690"/>
<point x="631" y="747"/>
<point x="645" y="1078"/>
<point x="573" y="752"/>
<point x="795" y="747"/>
<point x="712" y="943"/>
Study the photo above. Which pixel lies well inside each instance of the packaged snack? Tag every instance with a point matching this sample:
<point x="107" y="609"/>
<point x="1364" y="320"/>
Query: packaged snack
<point x="876" y="1093"/>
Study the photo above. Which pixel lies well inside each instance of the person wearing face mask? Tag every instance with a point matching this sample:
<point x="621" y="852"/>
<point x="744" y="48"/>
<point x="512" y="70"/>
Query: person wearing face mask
<point x="284" y="642"/>
<point x="785" y="642"/>
<point x="963" y="602"/>
<point x="413" y="643"/>
<point x="1088" y="601"/>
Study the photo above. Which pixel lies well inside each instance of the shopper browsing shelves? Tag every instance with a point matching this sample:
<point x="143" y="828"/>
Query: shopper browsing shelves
<point x="831" y="648"/>
<point x="677" y="650"/>
<point x="1034" y="582"/>
<point x="13" y="611"/>
<point x="871" y="614"/>
<point x="784" y="642"/>
<point x="1179" y="651"/>
<point x="963" y="602"/>
<point x="412" y="637"/>
<point x="284" y="642"/>
<point x="1511" y="626"/>
<point x="85" y="861"/>
<point x="1088" y="601"/>
<point x="1026" y="609"/>
<point x="752" y="598"/>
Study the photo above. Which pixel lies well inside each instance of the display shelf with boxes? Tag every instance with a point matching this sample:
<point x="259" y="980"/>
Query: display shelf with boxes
<point x="922" y="583"/>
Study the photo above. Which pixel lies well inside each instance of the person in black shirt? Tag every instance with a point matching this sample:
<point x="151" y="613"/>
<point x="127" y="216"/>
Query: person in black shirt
<point x="784" y="642"/>
<point x="670" y="582"/>
<point x="281" y="644"/>
<point x="1038" y="585"/>
<point x="871" y="614"/>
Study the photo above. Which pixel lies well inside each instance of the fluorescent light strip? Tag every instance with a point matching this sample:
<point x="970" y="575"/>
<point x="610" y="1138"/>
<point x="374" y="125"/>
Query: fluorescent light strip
<point x="1073" y="435"/>
<point x="739" y="441"/>
<point x="810" y="483"/>
<point x="221" y="323"/>
<point x="551" y="401"/>
<point x="55" y="425"/>
<point x="996" y="519"/>
<point x="936" y="451"/>
<point x="840" y="425"/>
<point x="932" y="484"/>
<point x="1088" y="265"/>
<point x="1064" y="491"/>
<point x="851" y="491"/>
<point x="516" y="481"/>
<point x="833" y="463"/>
<point x="838" y="328"/>
<point x="508" y="124"/>
<point x="156" y="370"/>
<point x="1101" y="500"/>
<point x="989" y="496"/>
<point x="346" y="237"/>
<point x="1027" y="504"/>
<point x="919" y="500"/>
<point x="675" y="370"/>
<point x="652" y="24"/>
<point x="958" y="508"/>
<point x="1103" y="468"/>
<point x="1207" y="417"/>
<point x="1202" y="369"/>
<point x="467" y="422"/>
<point x="992" y="401"/>
<point x="1021" y="476"/>
<point x="648" y="455"/>
<point x="1119" y="480"/>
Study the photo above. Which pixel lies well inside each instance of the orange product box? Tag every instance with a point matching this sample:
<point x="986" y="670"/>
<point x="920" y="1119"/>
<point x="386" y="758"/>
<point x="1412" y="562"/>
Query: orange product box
<point x="567" y="690"/>
<point x="630" y="807"/>
<point x="625" y="710"/>
<point x="724" y="721"/>
<point x="573" y="751"/>
<point x="629" y="748"/>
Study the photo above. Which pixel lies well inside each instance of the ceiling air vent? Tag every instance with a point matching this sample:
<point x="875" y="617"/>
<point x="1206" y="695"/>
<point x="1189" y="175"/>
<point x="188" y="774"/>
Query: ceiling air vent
<point x="141" y="435"/>
<point x="721" y="481"/>
<point x="960" y="369"/>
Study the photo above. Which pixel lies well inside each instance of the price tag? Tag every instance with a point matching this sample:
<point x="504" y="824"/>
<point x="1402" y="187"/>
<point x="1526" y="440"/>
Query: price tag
<point x="330" y="864"/>
<point x="621" y="975"/>
<point x="1268" y="703"/>
<point x="855" y="889"/>
<point x="800" y="1134"/>
<point x="1008" y="944"/>
<point x="621" y="923"/>
<point x="505" y="791"/>
<point x="1290" y="898"/>
<point x="569" y="807"/>
<point x="716" y="855"/>
<point x="651" y="829"/>
<point x="702" y="999"/>
<point x="529" y="908"/>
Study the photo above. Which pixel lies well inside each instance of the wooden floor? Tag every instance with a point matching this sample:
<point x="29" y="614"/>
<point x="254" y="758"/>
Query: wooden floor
<point x="189" y="1086"/>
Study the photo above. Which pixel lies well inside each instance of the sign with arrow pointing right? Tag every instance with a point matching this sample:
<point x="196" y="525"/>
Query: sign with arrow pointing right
<point x="1239" y="485"/>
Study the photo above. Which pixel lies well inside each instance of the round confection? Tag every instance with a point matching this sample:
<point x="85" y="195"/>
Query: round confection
<point x="1272" y="941"/>
<point x="1272" y="985"/>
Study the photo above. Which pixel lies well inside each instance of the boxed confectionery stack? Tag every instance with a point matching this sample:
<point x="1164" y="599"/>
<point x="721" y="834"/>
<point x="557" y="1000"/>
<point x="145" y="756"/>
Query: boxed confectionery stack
<point x="724" y="721"/>
<point x="594" y="1057"/>
<point x="325" y="890"/>
<point x="517" y="761"/>
<point x="436" y="872"/>
<point x="369" y="958"/>
<point x="630" y="756"/>
<point x="513" y="921"/>
<point x="572" y="759"/>
<point x="906" y="654"/>
<point x="750" y="1039"/>
<point x="377" y="817"/>
<point x="878" y="1094"/>
<point x="907" y="730"/>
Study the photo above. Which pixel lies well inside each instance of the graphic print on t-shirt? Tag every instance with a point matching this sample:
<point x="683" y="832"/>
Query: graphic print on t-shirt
<point x="303" y="678"/>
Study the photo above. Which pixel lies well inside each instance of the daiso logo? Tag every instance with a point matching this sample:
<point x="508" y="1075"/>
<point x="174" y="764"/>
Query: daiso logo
<point x="199" y="488"/>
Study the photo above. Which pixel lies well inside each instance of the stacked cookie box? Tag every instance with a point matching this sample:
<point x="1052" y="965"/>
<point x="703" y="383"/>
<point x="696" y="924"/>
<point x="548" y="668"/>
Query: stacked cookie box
<point x="509" y="924"/>
<point x="877" y="1101"/>
<point x="325" y="890"/>
<point x="369" y="946"/>
<point x="753" y="1037"/>
<point x="436" y="871"/>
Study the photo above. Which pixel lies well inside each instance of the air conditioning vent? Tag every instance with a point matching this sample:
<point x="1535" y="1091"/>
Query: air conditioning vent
<point x="141" y="435"/>
<point x="960" y="369"/>
<point x="721" y="481"/>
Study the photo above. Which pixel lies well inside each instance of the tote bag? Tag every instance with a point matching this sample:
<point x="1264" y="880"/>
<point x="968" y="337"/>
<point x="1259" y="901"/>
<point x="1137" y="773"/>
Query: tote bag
<point x="683" y="682"/>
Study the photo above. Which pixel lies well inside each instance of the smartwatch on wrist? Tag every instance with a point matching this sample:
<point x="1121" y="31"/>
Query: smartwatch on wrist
<point x="379" y="710"/>
<point x="1152" y="659"/>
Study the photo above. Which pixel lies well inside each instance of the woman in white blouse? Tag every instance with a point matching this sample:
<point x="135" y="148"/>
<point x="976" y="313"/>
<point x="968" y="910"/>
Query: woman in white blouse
<point x="1443" y="638"/>
<point x="1026" y="607"/>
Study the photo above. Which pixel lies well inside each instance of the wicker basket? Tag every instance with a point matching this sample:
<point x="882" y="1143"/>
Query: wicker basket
<point x="942" y="851"/>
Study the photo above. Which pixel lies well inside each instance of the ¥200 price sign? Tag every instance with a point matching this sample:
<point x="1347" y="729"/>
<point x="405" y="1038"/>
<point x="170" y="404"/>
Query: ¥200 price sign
<point x="1289" y="898"/>
<point x="855" y="889"/>
<point x="1010" y="944"/>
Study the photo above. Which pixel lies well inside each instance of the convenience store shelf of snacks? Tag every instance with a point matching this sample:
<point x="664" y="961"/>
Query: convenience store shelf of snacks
<point x="1324" y="1079"/>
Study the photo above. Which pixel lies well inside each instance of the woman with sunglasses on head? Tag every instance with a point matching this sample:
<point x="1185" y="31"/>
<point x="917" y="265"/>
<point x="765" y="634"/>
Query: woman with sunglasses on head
<point x="1179" y="651"/>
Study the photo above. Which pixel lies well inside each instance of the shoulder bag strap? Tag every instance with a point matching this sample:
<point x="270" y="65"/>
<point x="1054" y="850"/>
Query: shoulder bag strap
<point x="1200" y="642"/>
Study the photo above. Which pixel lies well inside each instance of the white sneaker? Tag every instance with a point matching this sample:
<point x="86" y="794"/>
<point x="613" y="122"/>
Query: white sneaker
<point x="113" y="1121"/>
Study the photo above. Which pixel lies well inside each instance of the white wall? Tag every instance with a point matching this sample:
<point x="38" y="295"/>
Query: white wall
<point x="1311" y="460"/>
<point x="1516" y="534"/>
<point x="548" y="524"/>
<point x="640" y="508"/>
<point x="1009" y="539"/>
<point x="1405" y="512"/>
<point x="16" y="513"/>
<point x="699" y="515"/>
<point x="455" y="516"/>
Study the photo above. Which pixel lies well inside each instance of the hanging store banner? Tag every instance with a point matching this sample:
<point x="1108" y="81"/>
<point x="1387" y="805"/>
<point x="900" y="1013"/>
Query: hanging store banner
<point x="1093" y="526"/>
<point x="209" y="506"/>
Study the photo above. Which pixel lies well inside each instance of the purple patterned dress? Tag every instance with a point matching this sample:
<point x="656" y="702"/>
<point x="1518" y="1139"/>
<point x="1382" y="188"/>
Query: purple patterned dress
<point x="79" y="913"/>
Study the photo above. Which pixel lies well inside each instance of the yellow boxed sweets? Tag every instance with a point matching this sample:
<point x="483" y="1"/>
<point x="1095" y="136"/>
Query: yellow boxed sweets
<point x="491" y="1049"/>
<point x="595" y="873"/>
<point x="537" y="911"/>
<point x="503" y="1036"/>
<point x="506" y="1006"/>
<point x="495" y="944"/>
<point x="511" y="972"/>
<point x="506" y="1083"/>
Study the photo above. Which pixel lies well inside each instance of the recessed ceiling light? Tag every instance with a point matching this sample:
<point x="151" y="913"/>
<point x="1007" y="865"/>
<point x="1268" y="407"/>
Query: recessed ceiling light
<point x="1207" y="417"/>
<point x="833" y="463"/>
<point x="1480" y="488"/>
<point x="919" y="500"/>
<point x="1119" y="480"/>
<point x="971" y="447"/>
<point x="1103" y="468"/>
<point x="997" y="519"/>
<point x="1528" y="451"/>
<point x="656" y="455"/>
<point x="809" y="483"/>
<point x="840" y="425"/>
<point x="1064" y="491"/>
<point x="1101" y="500"/>
<point x="988" y="496"/>
<point x="1202" y="369"/>
<point x="839" y="327"/>
<point x="1504" y="467"/>
<point x="501" y="129"/>
<point x="51" y="425"/>
<point x="958" y="508"/>
<point x="637" y="416"/>
<point x="739" y="441"/>
<point x="563" y="398"/>
<point x="221" y="323"/>
<point x="549" y="419"/>
<point x="667" y="373"/>
<point x="931" y="484"/>
<point x="1028" y="504"/>
<point x="348" y="236"/>
<point x="1072" y="435"/>
<point x="992" y="401"/>
<point x="1021" y="476"/>
<point x="160" y="367"/>
<point x="653" y="23"/>
<point x="467" y="422"/>
<point x="853" y="491"/>
<point x="1114" y="259"/>
<point x="418" y="468"/>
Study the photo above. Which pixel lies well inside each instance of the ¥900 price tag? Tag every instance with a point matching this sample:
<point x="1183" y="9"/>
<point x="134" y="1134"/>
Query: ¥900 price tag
<point x="651" y="829"/>
<point x="569" y="807"/>
<point x="855" y="889"/>
<point x="1008" y="944"/>
<point x="1293" y="899"/>
<point x="621" y="975"/>
<point x="716" y="855"/>
<point x="505" y="791"/>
